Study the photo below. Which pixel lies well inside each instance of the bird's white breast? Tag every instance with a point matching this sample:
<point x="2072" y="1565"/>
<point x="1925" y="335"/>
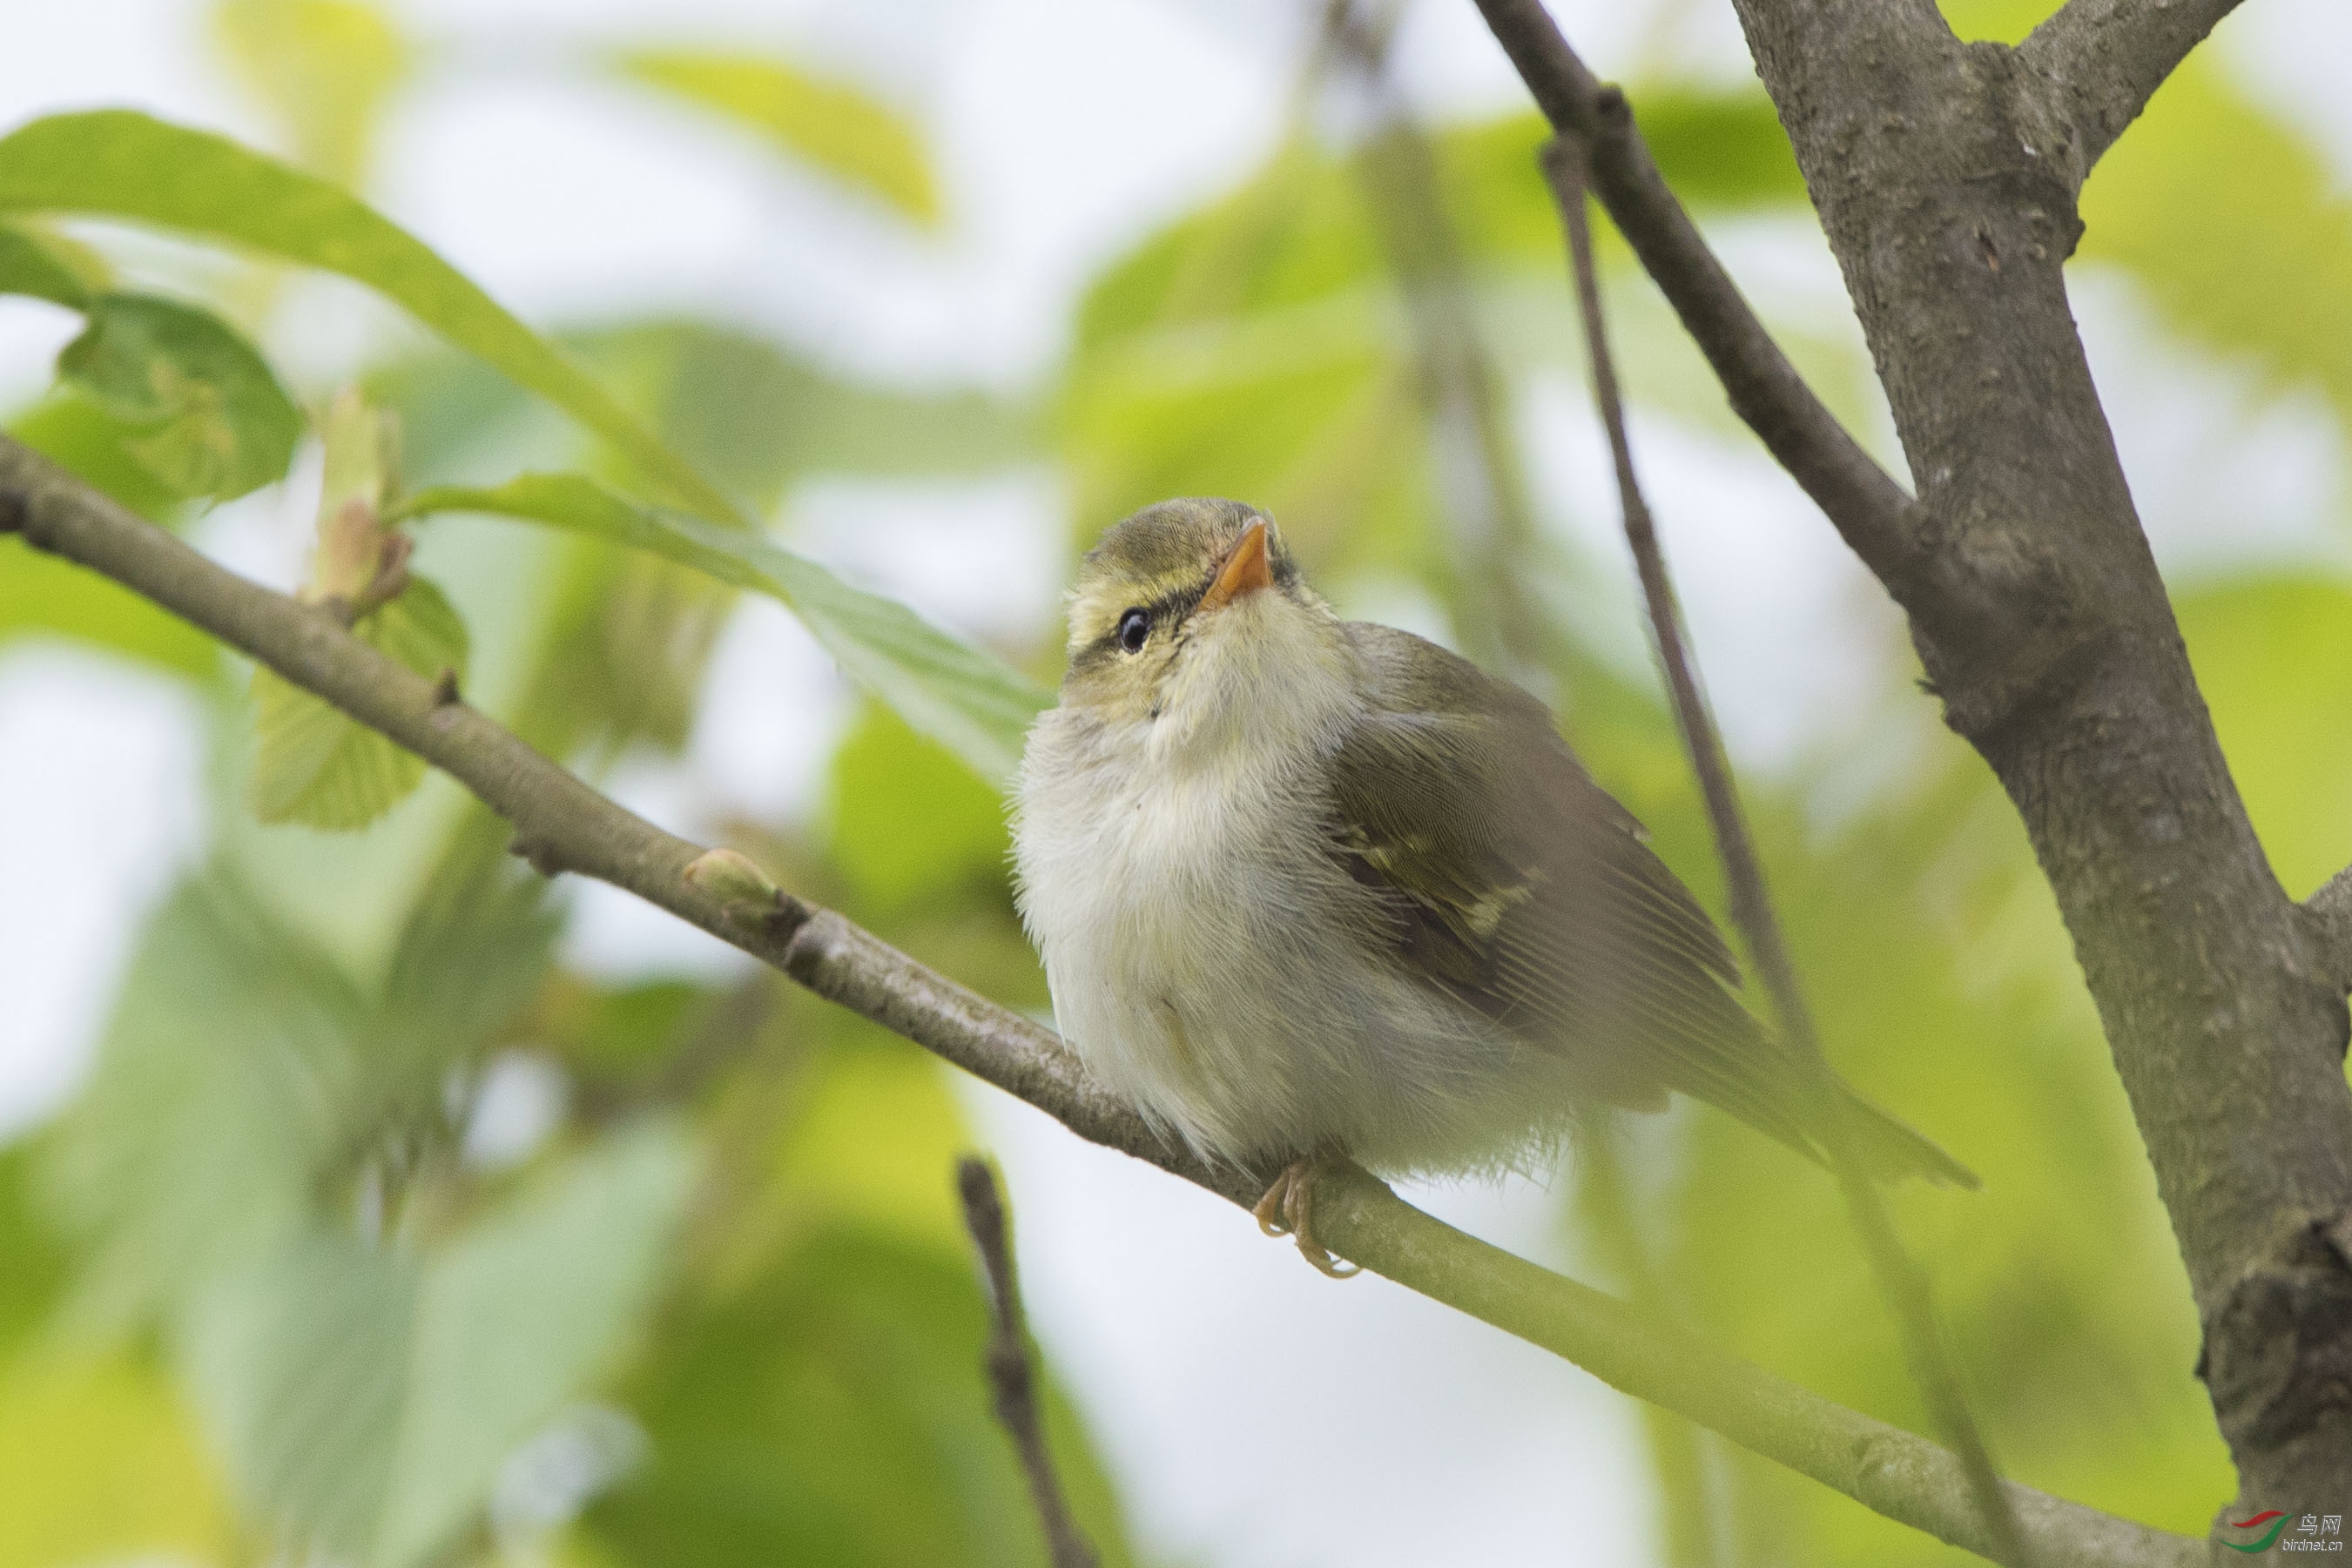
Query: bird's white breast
<point x="1197" y="933"/>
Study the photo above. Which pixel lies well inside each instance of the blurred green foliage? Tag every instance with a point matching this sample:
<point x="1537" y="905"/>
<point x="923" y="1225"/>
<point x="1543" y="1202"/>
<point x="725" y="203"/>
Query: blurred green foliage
<point x="39" y="594"/>
<point x="2270" y="203"/>
<point x="313" y="766"/>
<point x="325" y="68"/>
<point x="123" y="165"/>
<point x="273" y="1286"/>
<point x="48" y="267"/>
<point x="969" y="700"/>
<point x="829" y="125"/>
<point x="861" y="1394"/>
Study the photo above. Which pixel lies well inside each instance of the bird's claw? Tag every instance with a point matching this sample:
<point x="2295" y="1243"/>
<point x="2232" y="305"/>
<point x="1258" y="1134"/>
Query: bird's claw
<point x="1288" y="1209"/>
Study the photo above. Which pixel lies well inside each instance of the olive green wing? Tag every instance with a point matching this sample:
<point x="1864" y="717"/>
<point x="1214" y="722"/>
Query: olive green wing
<point x="1506" y="878"/>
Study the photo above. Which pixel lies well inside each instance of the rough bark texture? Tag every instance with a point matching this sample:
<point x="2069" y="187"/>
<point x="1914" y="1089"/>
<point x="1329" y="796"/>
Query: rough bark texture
<point x="1945" y="175"/>
<point x="2104" y="58"/>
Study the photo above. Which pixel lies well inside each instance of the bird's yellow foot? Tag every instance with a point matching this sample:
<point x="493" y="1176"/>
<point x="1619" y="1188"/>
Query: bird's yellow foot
<point x="1288" y="1209"/>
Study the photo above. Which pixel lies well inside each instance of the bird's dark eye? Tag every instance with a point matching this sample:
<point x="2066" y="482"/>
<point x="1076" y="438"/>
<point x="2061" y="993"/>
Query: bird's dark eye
<point x="1134" y="628"/>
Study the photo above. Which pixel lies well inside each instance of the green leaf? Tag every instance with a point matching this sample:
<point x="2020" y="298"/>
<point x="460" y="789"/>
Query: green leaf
<point x="365" y="1399"/>
<point x="314" y="765"/>
<point x="43" y="594"/>
<point x="125" y="164"/>
<point x="1720" y="151"/>
<point x="758" y="417"/>
<point x="834" y="1412"/>
<point x="626" y="654"/>
<point x="46" y="593"/>
<point x="210" y="420"/>
<point x="2203" y="180"/>
<point x="41" y="266"/>
<point x="907" y="824"/>
<point x="1314" y="420"/>
<point x="828" y="123"/>
<point x="99" y="1463"/>
<point x="326" y="66"/>
<point x="1298" y="234"/>
<point x="296" y="1363"/>
<point x="750" y="413"/>
<point x="968" y="701"/>
<point x="518" y="1316"/>
<point x="72" y="431"/>
<point x="2273" y="660"/>
<point x="875" y="1125"/>
<point x="474" y="951"/>
<point x="1260" y="347"/>
<point x="1305" y="229"/>
<point x="35" y="1278"/>
<point x="224" y="1080"/>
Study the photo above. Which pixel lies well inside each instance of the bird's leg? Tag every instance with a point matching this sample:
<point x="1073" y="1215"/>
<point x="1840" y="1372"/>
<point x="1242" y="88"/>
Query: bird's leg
<point x="1288" y="1209"/>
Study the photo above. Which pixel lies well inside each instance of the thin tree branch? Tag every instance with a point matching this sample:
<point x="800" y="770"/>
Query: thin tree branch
<point x="1877" y="519"/>
<point x="1899" y="1275"/>
<point x="1892" y="1471"/>
<point x="561" y="824"/>
<point x="2103" y="60"/>
<point x="2330" y="912"/>
<point x="1008" y="1366"/>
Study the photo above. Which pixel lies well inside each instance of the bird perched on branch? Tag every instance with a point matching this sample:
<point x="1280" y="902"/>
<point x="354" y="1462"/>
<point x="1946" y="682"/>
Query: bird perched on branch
<point x="1311" y="889"/>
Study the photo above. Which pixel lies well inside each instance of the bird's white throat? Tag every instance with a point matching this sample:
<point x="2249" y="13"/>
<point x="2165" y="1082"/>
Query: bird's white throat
<point x="1263" y="683"/>
<point x="1141" y="839"/>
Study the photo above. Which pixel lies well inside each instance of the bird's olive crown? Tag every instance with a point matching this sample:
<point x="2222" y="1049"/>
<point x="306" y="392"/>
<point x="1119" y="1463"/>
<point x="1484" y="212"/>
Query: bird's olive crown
<point x="1149" y="572"/>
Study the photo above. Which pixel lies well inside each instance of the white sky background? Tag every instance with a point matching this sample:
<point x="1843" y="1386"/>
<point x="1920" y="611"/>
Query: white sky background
<point x="1256" y="1415"/>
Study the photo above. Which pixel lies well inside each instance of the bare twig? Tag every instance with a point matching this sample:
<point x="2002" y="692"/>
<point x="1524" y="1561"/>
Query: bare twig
<point x="1899" y="1276"/>
<point x="1875" y="516"/>
<point x="569" y="826"/>
<point x="2103" y="60"/>
<point x="1007" y="1363"/>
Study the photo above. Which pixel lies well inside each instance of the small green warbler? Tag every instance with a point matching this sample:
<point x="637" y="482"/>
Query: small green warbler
<point x="1310" y="889"/>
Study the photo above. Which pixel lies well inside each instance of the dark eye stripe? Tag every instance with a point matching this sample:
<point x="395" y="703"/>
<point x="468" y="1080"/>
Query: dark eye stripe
<point x="1171" y="608"/>
<point x="1168" y="610"/>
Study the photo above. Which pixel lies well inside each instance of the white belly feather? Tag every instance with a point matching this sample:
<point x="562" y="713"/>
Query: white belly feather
<point x="1205" y="957"/>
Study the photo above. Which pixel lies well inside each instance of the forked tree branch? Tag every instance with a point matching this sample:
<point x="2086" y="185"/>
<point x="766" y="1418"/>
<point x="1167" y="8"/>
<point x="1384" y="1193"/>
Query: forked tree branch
<point x="1945" y="173"/>
<point x="2104" y="59"/>
<point x="1878" y="520"/>
<point x="564" y="825"/>
<point x="2329" y="911"/>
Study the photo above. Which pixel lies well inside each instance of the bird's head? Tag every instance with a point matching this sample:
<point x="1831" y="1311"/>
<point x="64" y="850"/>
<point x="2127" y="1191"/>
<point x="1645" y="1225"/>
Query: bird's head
<point x="1192" y="614"/>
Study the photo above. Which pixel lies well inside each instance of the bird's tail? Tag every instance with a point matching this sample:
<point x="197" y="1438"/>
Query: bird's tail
<point x="1738" y="1065"/>
<point x="1890" y="1149"/>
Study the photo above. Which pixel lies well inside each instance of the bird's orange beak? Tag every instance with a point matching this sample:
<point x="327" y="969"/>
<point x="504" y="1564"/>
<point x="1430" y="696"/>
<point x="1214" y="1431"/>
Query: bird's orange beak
<point x="1246" y="569"/>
